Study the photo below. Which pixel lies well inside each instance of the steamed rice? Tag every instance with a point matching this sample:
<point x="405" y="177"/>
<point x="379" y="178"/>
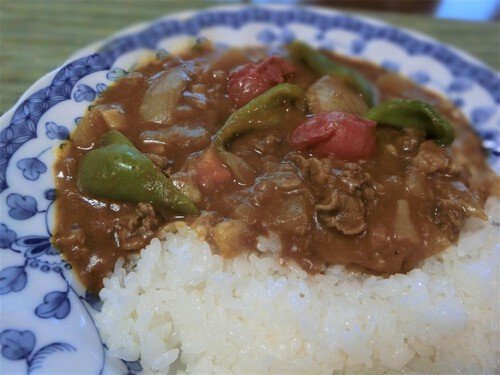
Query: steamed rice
<point x="181" y="307"/>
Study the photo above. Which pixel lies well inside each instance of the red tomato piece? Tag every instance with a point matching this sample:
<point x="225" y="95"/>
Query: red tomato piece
<point x="210" y="173"/>
<point x="339" y="134"/>
<point x="254" y="79"/>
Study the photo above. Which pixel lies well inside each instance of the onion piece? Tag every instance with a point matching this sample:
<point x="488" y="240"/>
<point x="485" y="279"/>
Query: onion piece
<point x="330" y="94"/>
<point x="161" y="99"/>
<point x="404" y="230"/>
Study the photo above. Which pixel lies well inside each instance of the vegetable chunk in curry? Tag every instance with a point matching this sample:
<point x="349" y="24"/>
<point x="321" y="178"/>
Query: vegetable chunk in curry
<point x="339" y="161"/>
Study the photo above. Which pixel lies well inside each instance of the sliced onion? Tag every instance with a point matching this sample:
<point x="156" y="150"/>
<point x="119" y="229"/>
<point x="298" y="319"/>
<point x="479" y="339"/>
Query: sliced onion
<point x="403" y="226"/>
<point x="332" y="94"/>
<point x="162" y="97"/>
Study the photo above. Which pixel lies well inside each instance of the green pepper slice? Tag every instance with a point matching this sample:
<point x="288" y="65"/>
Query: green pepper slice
<point x="267" y="110"/>
<point x="119" y="171"/>
<point x="321" y="64"/>
<point x="112" y="137"/>
<point x="405" y="113"/>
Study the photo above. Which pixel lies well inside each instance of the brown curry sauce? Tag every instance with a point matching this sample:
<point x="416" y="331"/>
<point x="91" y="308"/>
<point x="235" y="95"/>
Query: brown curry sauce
<point x="382" y="215"/>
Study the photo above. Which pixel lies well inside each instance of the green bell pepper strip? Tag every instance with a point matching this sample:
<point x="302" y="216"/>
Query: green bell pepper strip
<point x="406" y="113"/>
<point x="114" y="136"/>
<point x="266" y="111"/>
<point x="321" y="64"/>
<point x="119" y="171"/>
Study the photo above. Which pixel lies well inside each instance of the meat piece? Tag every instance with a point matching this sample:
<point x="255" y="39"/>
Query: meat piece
<point x="139" y="228"/>
<point x="342" y="212"/>
<point x="354" y="177"/>
<point x="312" y="169"/>
<point x="283" y="195"/>
<point x="474" y="166"/>
<point x="252" y="80"/>
<point x="292" y="215"/>
<point x="432" y="158"/>
<point x="283" y="180"/>
<point x="267" y="145"/>
<point x="454" y="204"/>
<point x="409" y="142"/>
<point x="340" y="195"/>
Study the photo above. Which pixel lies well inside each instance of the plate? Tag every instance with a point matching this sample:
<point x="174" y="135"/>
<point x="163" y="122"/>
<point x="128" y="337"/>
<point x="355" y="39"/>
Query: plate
<point x="47" y="317"/>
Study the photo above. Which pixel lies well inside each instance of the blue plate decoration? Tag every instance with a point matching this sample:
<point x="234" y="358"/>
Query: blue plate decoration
<point x="46" y="315"/>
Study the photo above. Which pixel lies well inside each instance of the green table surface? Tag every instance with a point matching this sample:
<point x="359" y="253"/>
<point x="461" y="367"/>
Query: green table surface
<point x="36" y="36"/>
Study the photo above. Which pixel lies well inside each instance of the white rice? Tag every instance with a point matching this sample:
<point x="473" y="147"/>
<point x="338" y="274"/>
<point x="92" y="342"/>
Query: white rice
<point x="184" y="308"/>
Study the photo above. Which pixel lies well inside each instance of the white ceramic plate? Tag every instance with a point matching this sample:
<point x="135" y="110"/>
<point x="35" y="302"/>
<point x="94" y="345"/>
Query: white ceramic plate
<point x="46" y="316"/>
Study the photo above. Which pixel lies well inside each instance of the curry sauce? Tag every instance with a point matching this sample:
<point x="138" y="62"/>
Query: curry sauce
<point x="218" y="124"/>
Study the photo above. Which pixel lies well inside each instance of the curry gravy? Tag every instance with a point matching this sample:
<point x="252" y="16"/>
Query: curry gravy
<point x="381" y="215"/>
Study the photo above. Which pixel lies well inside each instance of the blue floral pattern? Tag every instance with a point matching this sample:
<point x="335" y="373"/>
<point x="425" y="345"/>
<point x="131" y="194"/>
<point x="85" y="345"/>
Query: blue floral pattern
<point x="19" y="345"/>
<point x="43" y="306"/>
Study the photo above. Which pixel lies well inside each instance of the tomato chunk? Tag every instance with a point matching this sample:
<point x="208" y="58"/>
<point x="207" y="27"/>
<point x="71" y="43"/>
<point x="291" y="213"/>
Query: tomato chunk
<point x="339" y="134"/>
<point x="254" y="79"/>
<point x="210" y="173"/>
